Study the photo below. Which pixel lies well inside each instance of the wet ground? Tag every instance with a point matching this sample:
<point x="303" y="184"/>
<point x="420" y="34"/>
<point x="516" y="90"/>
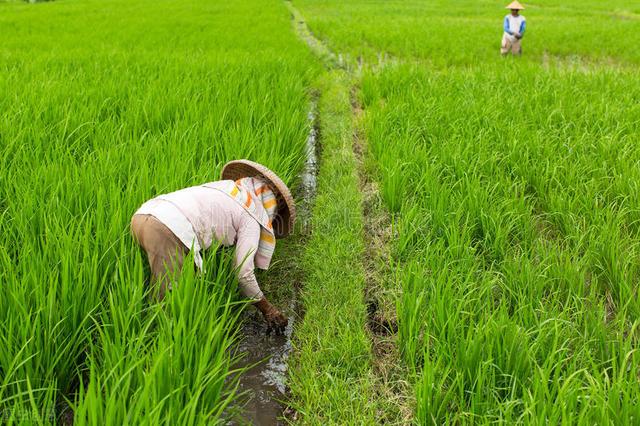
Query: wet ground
<point x="264" y="383"/>
<point x="308" y="177"/>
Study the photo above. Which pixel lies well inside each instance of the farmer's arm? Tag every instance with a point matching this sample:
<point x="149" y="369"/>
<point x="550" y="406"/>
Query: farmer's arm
<point x="506" y="25"/>
<point x="247" y="241"/>
<point x="523" y="26"/>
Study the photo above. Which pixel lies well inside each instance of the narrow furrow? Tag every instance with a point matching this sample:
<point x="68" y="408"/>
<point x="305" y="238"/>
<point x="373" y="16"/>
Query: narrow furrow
<point x="265" y="382"/>
<point x="328" y="58"/>
<point x="381" y="290"/>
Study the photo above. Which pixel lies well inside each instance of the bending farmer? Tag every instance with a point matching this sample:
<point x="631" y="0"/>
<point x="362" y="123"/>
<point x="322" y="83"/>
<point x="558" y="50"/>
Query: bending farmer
<point x="249" y="208"/>
<point x="514" y="26"/>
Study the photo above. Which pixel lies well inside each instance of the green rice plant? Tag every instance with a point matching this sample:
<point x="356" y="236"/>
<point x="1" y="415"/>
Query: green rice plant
<point x="441" y="33"/>
<point x="410" y="229"/>
<point x="184" y="336"/>
<point x="410" y="308"/>
<point x="394" y="186"/>
<point x="434" y="392"/>
<point x="523" y="234"/>
<point x="105" y="105"/>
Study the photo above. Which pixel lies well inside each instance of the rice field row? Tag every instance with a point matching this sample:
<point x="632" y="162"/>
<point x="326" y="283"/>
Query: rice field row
<point x="104" y="105"/>
<point x="517" y="241"/>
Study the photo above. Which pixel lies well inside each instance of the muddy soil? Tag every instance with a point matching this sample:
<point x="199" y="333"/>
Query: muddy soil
<point x="263" y="385"/>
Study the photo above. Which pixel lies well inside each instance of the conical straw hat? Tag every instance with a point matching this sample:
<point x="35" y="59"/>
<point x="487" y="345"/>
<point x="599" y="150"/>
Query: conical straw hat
<point x="286" y="214"/>
<point x="515" y="5"/>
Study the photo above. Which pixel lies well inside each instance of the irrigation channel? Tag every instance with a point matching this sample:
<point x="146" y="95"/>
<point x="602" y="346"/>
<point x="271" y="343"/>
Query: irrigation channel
<point x="265" y="356"/>
<point x="263" y="384"/>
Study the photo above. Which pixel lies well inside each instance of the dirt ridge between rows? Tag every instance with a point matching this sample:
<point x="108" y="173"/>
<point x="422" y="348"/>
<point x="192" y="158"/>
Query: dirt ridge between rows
<point x="392" y="393"/>
<point x="380" y="292"/>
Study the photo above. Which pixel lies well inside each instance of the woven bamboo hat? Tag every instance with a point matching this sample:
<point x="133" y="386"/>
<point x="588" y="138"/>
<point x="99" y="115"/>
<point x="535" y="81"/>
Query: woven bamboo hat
<point x="515" y="5"/>
<point x="286" y="213"/>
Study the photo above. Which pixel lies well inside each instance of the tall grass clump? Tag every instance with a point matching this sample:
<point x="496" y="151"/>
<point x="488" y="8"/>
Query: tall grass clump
<point x="105" y="105"/>
<point x="518" y="246"/>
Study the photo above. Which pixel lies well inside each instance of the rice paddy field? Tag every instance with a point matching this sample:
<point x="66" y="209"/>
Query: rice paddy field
<point x="104" y="105"/>
<point x="473" y="253"/>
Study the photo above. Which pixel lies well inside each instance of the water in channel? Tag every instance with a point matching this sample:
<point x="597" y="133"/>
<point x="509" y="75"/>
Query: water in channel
<point x="264" y="385"/>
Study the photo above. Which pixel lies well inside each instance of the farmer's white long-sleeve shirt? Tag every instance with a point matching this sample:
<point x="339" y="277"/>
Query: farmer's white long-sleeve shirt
<point x="198" y="216"/>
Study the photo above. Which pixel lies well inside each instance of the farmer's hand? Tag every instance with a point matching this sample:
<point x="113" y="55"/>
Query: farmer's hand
<point x="276" y="321"/>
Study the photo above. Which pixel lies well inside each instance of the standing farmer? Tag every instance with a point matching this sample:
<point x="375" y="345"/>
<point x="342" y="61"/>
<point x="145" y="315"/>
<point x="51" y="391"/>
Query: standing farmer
<point x="249" y="208"/>
<point x="514" y="26"/>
